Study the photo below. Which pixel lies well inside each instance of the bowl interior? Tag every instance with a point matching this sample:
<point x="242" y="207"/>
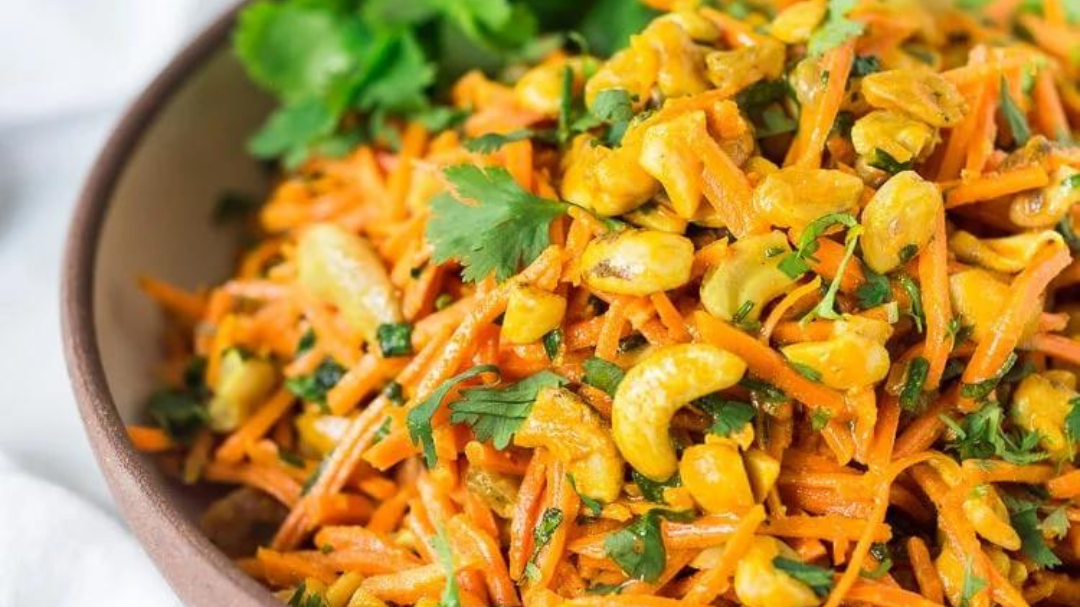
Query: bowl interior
<point x="178" y="150"/>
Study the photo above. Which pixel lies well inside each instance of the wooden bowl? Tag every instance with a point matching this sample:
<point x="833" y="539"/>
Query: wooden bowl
<point x="146" y="209"/>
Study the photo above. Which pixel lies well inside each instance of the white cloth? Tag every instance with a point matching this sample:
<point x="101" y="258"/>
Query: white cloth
<point x="58" y="549"/>
<point x="67" y="69"/>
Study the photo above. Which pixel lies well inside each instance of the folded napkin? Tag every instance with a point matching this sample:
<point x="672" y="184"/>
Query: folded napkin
<point x="57" y="549"/>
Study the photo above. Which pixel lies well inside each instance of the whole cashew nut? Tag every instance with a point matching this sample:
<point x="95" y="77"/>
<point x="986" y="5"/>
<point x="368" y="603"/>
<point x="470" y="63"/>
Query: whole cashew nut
<point x="657" y="387"/>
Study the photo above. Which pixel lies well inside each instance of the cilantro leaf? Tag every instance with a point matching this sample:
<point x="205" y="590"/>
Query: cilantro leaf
<point x="301" y="598"/>
<point x="915" y="308"/>
<point x="418" y="420"/>
<point x="911" y="393"/>
<point x="542" y="532"/>
<point x="819" y="579"/>
<point x="806" y="371"/>
<point x="313" y="388"/>
<point x="602" y="374"/>
<point x="1024" y="517"/>
<point x="837" y="28"/>
<point x="491" y="142"/>
<point x="614" y="107"/>
<point x="973" y="585"/>
<point x="885" y="161"/>
<point x="593" y="505"/>
<point x="794" y="264"/>
<point x="475" y="235"/>
<point x="819" y="419"/>
<point x="981" y="390"/>
<point x="395" y="339"/>
<point x="609" y="24"/>
<point x="495" y="413"/>
<point x="980" y="435"/>
<point x="553" y="343"/>
<point x="653" y="490"/>
<point x="180" y="414"/>
<point x="728" y="416"/>
<point x="1072" y="422"/>
<point x="865" y="65"/>
<point x="1014" y="116"/>
<point x="638" y="549"/>
<point x="1056" y="524"/>
<point x="1065" y="228"/>
<point x="451" y="596"/>
<point x="826" y="308"/>
<point x="291" y="130"/>
<point x="875" y="291"/>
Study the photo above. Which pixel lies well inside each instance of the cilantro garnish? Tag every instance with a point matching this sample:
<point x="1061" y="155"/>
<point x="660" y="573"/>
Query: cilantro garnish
<point x="180" y="414"/>
<point x="819" y="419"/>
<point x="739" y="319"/>
<point x="418" y="420"/>
<point x="475" y="234"/>
<point x="1014" y="116"/>
<point x="886" y="162"/>
<point x="819" y="579"/>
<point x="1024" y="517"/>
<point x="301" y="598"/>
<point x="1065" y="228"/>
<point x="383" y="430"/>
<point x="638" y="549"/>
<point x="865" y="65"/>
<point x="915" y="308"/>
<point x="973" y="585"/>
<point x="728" y="416"/>
<point x="826" y="308"/>
<point x="980" y="435"/>
<point x="491" y="142"/>
<point x="495" y="413"/>
<point x="602" y="374"/>
<point x="451" y="596"/>
<point x="885" y="562"/>
<point x="806" y="371"/>
<point x="395" y="339"/>
<point x="875" y="291"/>
<point x="794" y="264"/>
<point x="313" y="388"/>
<point x="545" y="528"/>
<point x="1072" y="422"/>
<point x="911" y="393"/>
<point x="395" y="393"/>
<point x="980" y="390"/>
<point x="615" y="108"/>
<point x="653" y="490"/>
<point x="553" y="343"/>
<point x="837" y="28"/>
<point x="591" y="504"/>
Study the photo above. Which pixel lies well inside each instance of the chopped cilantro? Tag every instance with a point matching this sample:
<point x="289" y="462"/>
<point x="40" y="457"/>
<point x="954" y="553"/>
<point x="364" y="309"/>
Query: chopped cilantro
<point x="980" y="390"/>
<point x="395" y="393"/>
<point x="306" y="342"/>
<point x="495" y="413"/>
<point x="819" y="579"/>
<point x="553" y="343"/>
<point x="806" y="371"/>
<point x="542" y="532"/>
<point x="383" y="430"/>
<point x="615" y="108"/>
<point x="313" y="388"/>
<point x="1072" y="422"/>
<point x="875" y="291"/>
<point x="609" y="24"/>
<point x="885" y="161"/>
<point x="826" y="308"/>
<point x="604" y="589"/>
<point x="739" y="318"/>
<point x="865" y="65"/>
<point x="653" y="490"/>
<point x="794" y="264"/>
<point x="980" y="435"/>
<point x="763" y="390"/>
<point x="180" y="414"/>
<point x="1014" y="116"/>
<point x="395" y="339"/>
<point x="591" y="504"/>
<point x="819" y="419"/>
<point x="972" y="586"/>
<point x="728" y="416"/>
<point x="1065" y="228"/>
<point x="602" y="374"/>
<point x="911" y="393"/>
<point x="836" y="29"/>
<point x="451" y="596"/>
<point x="1024" y="517"/>
<point x="475" y="235"/>
<point x="302" y="598"/>
<point x="915" y="308"/>
<point x="443" y="301"/>
<point x="491" y="142"/>
<point x="908" y="252"/>
<point x="638" y="548"/>
<point x="418" y="420"/>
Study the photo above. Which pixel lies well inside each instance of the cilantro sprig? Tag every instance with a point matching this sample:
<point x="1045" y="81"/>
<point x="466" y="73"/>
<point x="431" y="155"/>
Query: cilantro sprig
<point x="495" y="413"/>
<point x="819" y="579"/>
<point x="418" y="421"/>
<point x="1024" y="517"/>
<point x="981" y="435"/>
<point x="475" y="234"/>
<point x="836" y="29"/>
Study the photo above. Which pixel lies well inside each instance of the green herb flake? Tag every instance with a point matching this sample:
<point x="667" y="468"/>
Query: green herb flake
<point x="1072" y="422"/>
<point x="495" y="413"/>
<point x="383" y="430"/>
<point x="864" y="65"/>
<point x="451" y="596"/>
<point x="1056" y="524"/>
<point x="491" y="142"/>
<point x="915" y="307"/>
<point x="638" y="549"/>
<point x="395" y="339"/>
<point x="593" y="506"/>
<point x="545" y="528"/>
<point x="395" y="393"/>
<point x="1065" y="228"/>
<point x="306" y="342"/>
<point x="602" y="375"/>
<point x="980" y="435"/>
<point x="875" y="291"/>
<point x="819" y="419"/>
<point x="654" y="490"/>
<point x="908" y="252"/>
<point x="981" y="390"/>
<point x="418" y="421"/>
<point x="728" y="416"/>
<point x="836" y="29"/>
<point x="911" y="393"/>
<point x="1024" y="517"/>
<point x="806" y="371"/>
<point x="475" y="234"/>
<point x="302" y="598"/>
<point x="885" y="161"/>
<point x="553" y="341"/>
<point x="819" y="579"/>
<point x="314" y="387"/>
<point x="180" y="414"/>
<point x="615" y="108"/>
<point x="1014" y="116"/>
<point x="972" y="586"/>
<point x="794" y="265"/>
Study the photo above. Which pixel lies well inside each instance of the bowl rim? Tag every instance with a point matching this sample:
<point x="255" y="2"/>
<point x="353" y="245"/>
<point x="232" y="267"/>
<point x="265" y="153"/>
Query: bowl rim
<point x="197" y="571"/>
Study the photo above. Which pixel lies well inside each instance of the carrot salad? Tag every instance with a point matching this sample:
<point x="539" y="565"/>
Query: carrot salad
<point x="768" y="304"/>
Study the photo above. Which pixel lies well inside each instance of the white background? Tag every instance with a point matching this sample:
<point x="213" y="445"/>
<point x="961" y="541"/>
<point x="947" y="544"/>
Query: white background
<point x="67" y="70"/>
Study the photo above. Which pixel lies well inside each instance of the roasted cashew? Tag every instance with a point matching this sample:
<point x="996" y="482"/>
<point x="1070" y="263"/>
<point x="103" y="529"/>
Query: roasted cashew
<point x="657" y="387"/>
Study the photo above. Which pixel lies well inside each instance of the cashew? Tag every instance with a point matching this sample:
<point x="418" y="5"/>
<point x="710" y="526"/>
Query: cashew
<point x="657" y="387"/>
<point x="342" y="269"/>
<point x="575" y="435"/>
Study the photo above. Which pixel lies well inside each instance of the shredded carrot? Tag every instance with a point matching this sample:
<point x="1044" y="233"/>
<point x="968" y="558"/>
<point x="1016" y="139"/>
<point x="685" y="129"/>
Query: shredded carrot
<point x="816" y="120"/>
<point x="150" y="440"/>
<point x="716" y="580"/>
<point x="255" y="427"/>
<point x="989" y="187"/>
